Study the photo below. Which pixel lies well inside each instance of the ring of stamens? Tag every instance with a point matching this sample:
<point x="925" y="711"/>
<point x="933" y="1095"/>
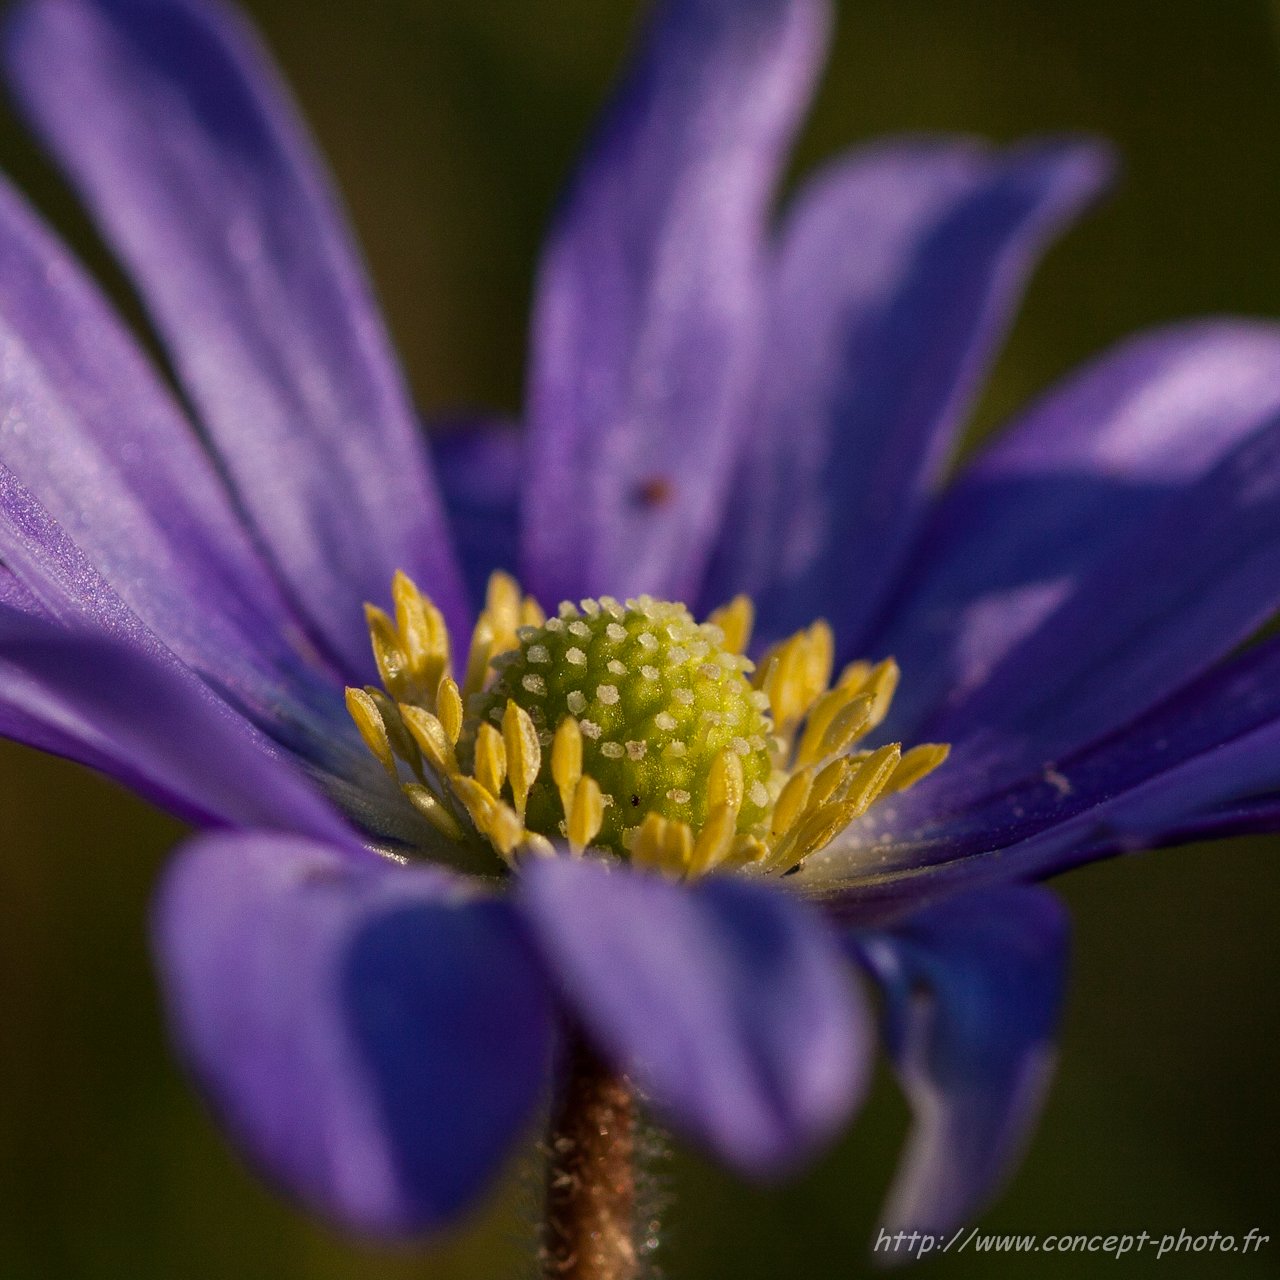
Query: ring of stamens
<point x="766" y="769"/>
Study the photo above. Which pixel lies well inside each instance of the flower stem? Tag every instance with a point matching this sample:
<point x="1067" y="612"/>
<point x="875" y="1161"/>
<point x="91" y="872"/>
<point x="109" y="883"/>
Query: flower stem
<point x="589" y="1232"/>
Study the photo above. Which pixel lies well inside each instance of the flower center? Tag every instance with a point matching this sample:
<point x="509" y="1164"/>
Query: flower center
<point x="657" y="699"/>
<point x="629" y="728"/>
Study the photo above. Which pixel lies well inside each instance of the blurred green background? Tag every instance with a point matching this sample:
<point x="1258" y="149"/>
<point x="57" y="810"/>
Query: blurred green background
<point x="451" y="128"/>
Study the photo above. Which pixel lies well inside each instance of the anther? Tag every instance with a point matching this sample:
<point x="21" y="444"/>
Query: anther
<point x="686" y="766"/>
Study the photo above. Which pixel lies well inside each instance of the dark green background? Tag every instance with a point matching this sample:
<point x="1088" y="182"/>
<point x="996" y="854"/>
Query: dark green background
<point x="450" y="127"/>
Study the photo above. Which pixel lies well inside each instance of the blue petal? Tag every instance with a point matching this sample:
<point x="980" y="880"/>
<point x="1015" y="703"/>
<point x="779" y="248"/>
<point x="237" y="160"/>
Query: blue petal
<point x="1205" y="761"/>
<point x="13" y="595"/>
<point x="972" y="995"/>
<point x="151" y="723"/>
<point x="105" y="485"/>
<point x="481" y="467"/>
<point x="51" y="572"/>
<point x="373" y="1040"/>
<point x="170" y="119"/>
<point x="728" y="1002"/>
<point x="53" y="580"/>
<point x="1230" y="788"/>
<point x="1049" y="503"/>
<point x="896" y="276"/>
<point x="646" y="328"/>
<point x="1189" y="585"/>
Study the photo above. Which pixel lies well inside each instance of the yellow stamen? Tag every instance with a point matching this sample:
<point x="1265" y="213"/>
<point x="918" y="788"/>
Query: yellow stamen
<point x="524" y="754"/>
<point x="829" y="782"/>
<point x="781" y="789"/>
<point x="714" y="840"/>
<point x="531" y="614"/>
<point x="794" y="674"/>
<point x="870" y="778"/>
<point x="449" y="708"/>
<point x="393" y="662"/>
<point x="663" y="844"/>
<point x="736" y="619"/>
<point x="537" y="845"/>
<point x="481" y="653"/>
<point x="854" y="675"/>
<point x="746" y="850"/>
<point x="725" y="784"/>
<point x="916" y="764"/>
<point x="428" y="804"/>
<point x="792" y="801"/>
<point x="819" y="655"/>
<point x="647" y="842"/>
<point x="424" y="639"/>
<point x="847" y="725"/>
<point x="490" y="816"/>
<point x="364" y="711"/>
<point x="566" y="762"/>
<point x="502" y="606"/>
<point x="431" y="738"/>
<point x="823" y="711"/>
<point x="882" y="684"/>
<point x="586" y="813"/>
<point x="491" y="759"/>
<point x="401" y="740"/>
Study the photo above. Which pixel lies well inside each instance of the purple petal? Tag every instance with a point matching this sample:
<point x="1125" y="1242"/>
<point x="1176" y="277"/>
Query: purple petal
<point x="51" y="571"/>
<point x="298" y="708"/>
<point x="372" y="1039"/>
<point x="170" y="119"/>
<point x="727" y="1001"/>
<point x="973" y="990"/>
<point x="13" y="595"/>
<point x="151" y="724"/>
<point x="1202" y="763"/>
<point x="481" y="466"/>
<point x="304" y="716"/>
<point x="1049" y="503"/>
<point x="647" y="322"/>
<point x="1193" y="582"/>
<point x="109" y="459"/>
<point x="1231" y="788"/>
<point x="896" y="276"/>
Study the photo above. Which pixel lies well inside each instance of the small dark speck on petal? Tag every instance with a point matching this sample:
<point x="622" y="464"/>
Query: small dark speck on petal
<point x="655" y="491"/>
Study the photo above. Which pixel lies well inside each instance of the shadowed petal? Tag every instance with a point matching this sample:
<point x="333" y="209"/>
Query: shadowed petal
<point x="897" y="272"/>
<point x="14" y="595"/>
<point x="1202" y="763"/>
<point x="151" y="724"/>
<point x="727" y="1001"/>
<point x="32" y="729"/>
<point x="1048" y="504"/>
<point x="481" y="468"/>
<point x="973" y="990"/>
<point x="169" y="118"/>
<point x="647" y="321"/>
<point x="1230" y="788"/>
<point x="375" y="1041"/>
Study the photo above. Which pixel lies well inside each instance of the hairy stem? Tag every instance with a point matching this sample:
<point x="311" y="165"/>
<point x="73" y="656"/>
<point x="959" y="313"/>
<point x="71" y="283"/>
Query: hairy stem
<point x="589" y="1232"/>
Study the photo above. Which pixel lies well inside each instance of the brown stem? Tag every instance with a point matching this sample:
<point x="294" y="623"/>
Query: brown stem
<point x="589" y="1233"/>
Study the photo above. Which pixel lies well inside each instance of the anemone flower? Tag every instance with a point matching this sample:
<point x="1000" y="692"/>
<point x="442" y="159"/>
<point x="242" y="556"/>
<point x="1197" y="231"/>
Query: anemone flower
<point x="614" y="853"/>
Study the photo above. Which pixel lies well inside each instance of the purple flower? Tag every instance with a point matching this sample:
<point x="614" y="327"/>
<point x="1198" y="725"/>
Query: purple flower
<point x="717" y="405"/>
